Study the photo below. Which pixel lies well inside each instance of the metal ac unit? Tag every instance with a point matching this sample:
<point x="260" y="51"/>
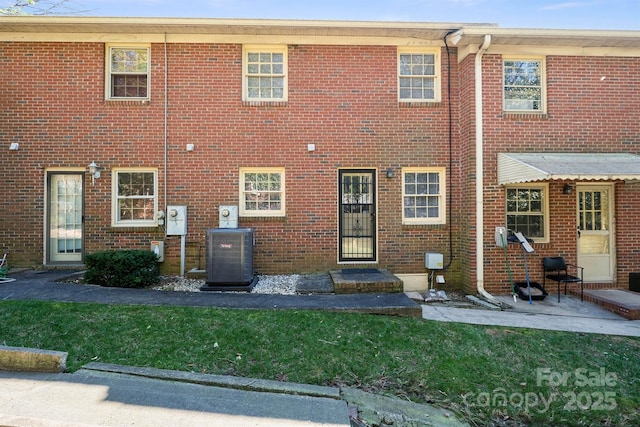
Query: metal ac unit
<point x="229" y="258"/>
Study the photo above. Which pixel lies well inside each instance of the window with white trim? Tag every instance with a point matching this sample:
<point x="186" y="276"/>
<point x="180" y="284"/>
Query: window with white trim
<point x="127" y="72"/>
<point x="526" y="211"/>
<point x="418" y="75"/>
<point x="265" y="73"/>
<point x="423" y="196"/>
<point x="523" y="85"/>
<point x="135" y="201"/>
<point x="262" y="192"/>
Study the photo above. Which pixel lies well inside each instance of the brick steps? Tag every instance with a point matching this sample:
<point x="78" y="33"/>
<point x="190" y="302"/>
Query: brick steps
<point x="619" y="301"/>
<point x="353" y="281"/>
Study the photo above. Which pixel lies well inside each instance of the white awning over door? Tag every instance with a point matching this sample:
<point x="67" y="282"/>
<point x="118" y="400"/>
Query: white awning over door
<point x="514" y="168"/>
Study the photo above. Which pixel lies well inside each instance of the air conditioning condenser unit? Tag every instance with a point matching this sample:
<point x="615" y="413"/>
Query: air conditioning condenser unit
<point x="229" y="259"/>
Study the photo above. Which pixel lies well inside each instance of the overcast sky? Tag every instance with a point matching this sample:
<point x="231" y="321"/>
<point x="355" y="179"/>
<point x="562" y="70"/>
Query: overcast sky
<point x="580" y="14"/>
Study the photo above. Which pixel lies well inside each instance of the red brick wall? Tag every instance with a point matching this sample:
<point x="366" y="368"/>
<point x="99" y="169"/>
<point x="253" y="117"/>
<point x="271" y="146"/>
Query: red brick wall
<point x="52" y="104"/>
<point x="343" y="99"/>
<point x="585" y="114"/>
<point x="467" y="217"/>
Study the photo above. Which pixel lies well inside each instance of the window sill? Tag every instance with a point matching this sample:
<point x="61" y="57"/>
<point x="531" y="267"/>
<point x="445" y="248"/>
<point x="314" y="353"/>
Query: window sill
<point x="418" y="104"/>
<point x="524" y="116"/>
<point x="127" y="102"/>
<point x="409" y="226"/>
<point x="265" y="103"/>
<point x="134" y="228"/>
<point x="263" y="218"/>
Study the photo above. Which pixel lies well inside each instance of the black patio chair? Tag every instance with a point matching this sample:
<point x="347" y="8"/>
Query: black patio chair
<point x="554" y="268"/>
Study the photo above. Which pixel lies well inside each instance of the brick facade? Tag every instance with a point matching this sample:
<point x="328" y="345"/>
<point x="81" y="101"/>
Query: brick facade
<point x="342" y="97"/>
<point x="586" y="114"/>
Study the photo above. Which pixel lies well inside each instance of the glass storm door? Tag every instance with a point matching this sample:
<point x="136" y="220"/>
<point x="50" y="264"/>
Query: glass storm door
<point x="357" y="215"/>
<point x="595" y="253"/>
<point x="66" y="213"/>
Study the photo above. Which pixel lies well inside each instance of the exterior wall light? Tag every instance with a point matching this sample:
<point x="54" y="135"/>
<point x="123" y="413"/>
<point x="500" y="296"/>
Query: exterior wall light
<point x="567" y="189"/>
<point x="389" y="173"/>
<point x="94" y="170"/>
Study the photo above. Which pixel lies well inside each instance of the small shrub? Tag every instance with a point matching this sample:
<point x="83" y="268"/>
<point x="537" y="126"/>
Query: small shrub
<point x="122" y="268"/>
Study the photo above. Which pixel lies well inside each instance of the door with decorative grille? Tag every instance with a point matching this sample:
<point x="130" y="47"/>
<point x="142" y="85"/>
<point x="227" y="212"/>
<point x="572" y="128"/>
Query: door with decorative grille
<point x="357" y="234"/>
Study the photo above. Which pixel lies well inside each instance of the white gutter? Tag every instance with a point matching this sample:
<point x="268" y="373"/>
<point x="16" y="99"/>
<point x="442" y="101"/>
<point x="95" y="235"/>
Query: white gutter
<point x="165" y="119"/>
<point x="480" y="174"/>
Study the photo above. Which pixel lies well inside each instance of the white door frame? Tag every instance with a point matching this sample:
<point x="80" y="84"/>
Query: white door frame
<point x="73" y="209"/>
<point x="596" y="250"/>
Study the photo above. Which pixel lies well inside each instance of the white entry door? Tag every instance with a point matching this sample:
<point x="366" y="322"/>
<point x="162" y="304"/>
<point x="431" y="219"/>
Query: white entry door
<point x="595" y="232"/>
<point x="66" y="212"/>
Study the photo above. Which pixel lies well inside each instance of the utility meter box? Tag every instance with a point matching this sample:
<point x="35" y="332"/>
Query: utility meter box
<point x="157" y="247"/>
<point x="176" y="220"/>
<point x="228" y="217"/>
<point x="433" y="261"/>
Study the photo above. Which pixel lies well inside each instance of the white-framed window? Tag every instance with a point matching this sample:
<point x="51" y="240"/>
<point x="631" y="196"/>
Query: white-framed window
<point x="527" y="209"/>
<point x="418" y="75"/>
<point x="265" y="73"/>
<point x="523" y="81"/>
<point x="127" y="72"/>
<point x="423" y="196"/>
<point x="134" y="197"/>
<point x="262" y="192"/>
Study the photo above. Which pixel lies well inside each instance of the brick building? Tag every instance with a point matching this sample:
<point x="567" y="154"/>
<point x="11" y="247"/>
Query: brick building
<point x="341" y="143"/>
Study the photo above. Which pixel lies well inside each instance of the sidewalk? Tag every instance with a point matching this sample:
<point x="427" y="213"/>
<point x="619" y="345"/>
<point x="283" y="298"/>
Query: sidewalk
<point x="568" y="315"/>
<point x="43" y="286"/>
<point x="568" y="322"/>
<point x="91" y="397"/>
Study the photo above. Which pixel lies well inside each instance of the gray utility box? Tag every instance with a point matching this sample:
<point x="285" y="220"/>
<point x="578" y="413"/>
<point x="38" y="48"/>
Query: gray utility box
<point x="229" y="257"/>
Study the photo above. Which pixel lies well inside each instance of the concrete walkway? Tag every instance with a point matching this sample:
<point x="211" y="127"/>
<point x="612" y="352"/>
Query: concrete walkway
<point x="91" y="398"/>
<point x="45" y="286"/>
<point x="569" y="315"/>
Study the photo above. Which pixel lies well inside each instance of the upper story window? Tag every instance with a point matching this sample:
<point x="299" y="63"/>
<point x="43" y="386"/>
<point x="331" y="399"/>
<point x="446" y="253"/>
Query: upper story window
<point x="523" y="85"/>
<point x="526" y="211"/>
<point x="418" y="75"/>
<point x="127" y="72"/>
<point x="262" y="192"/>
<point x="423" y="196"/>
<point x="265" y="73"/>
<point x="135" y="201"/>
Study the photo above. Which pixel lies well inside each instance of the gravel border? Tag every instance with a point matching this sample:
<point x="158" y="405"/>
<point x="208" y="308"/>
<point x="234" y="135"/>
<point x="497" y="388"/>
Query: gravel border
<point x="279" y="284"/>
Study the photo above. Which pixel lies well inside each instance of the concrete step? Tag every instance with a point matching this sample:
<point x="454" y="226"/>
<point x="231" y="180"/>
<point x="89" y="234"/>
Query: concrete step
<point x="365" y="280"/>
<point x="620" y="301"/>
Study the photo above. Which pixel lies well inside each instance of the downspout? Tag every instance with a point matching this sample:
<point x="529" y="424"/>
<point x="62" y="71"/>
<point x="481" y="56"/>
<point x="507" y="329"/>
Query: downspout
<point x="480" y="174"/>
<point x="183" y="238"/>
<point x="450" y="137"/>
<point x="166" y="112"/>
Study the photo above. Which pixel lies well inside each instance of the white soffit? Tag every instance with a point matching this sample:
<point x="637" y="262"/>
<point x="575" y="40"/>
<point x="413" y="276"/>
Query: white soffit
<point x="514" y="168"/>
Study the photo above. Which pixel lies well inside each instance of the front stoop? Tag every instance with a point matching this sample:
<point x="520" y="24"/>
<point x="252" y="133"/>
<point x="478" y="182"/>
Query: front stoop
<point x="619" y="301"/>
<point x="366" y="280"/>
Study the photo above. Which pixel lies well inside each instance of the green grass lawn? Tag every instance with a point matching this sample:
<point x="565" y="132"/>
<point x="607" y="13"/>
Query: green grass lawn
<point x="506" y="376"/>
